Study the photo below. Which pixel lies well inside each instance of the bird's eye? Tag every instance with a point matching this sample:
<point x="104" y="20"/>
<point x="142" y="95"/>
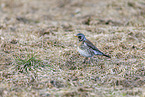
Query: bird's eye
<point x="79" y="37"/>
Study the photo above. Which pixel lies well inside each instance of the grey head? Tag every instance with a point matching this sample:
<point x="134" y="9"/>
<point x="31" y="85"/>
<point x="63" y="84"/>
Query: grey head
<point x="81" y="37"/>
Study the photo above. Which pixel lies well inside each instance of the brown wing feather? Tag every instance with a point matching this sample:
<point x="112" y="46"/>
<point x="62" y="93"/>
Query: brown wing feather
<point x="91" y="45"/>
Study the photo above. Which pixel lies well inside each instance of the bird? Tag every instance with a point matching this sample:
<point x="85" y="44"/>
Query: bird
<point x="87" y="48"/>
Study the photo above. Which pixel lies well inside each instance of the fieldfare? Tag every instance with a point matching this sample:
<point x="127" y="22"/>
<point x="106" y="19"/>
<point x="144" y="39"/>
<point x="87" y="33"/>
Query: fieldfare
<point x="86" y="48"/>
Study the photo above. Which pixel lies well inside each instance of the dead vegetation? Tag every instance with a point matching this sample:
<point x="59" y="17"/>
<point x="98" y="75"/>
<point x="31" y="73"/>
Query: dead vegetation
<point x="38" y="49"/>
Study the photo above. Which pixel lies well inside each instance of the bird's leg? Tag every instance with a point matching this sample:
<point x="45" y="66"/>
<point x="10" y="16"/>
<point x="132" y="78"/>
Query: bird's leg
<point x="90" y="61"/>
<point x="85" y="60"/>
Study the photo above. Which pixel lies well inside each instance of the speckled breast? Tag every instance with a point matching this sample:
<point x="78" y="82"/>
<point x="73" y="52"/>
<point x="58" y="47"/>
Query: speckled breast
<point x="84" y="51"/>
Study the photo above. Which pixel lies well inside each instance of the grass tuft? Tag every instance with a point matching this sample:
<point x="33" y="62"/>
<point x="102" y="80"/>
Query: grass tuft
<point x="27" y="63"/>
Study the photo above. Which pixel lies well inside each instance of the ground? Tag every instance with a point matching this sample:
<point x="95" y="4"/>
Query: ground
<point x="38" y="50"/>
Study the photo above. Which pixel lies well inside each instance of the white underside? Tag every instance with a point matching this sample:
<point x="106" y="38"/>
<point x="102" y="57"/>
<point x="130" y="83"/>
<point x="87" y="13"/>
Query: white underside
<point x="84" y="53"/>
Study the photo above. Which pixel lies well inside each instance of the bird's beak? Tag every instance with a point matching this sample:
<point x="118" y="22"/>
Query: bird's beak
<point x="76" y="36"/>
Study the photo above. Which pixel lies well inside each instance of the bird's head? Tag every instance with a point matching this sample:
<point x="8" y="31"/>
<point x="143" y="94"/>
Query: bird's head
<point x="81" y="37"/>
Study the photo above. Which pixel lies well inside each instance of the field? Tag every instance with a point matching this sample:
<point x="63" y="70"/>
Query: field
<point x="38" y="50"/>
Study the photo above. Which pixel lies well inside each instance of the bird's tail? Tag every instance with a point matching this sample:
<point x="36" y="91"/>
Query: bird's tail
<point x="106" y="55"/>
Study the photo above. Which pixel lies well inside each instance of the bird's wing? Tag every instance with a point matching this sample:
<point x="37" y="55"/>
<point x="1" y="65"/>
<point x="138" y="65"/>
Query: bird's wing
<point x="92" y="47"/>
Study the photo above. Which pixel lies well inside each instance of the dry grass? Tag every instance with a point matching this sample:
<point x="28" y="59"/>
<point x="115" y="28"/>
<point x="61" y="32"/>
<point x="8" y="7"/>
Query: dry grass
<point x="38" y="49"/>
